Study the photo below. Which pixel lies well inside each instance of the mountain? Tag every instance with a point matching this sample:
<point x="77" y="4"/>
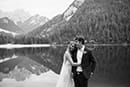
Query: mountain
<point x="60" y="19"/>
<point x="9" y="25"/>
<point x="32" y="66"/>
<point x="105" y="21"/>
<point x="7" y="32"/>
<point x="38" y="32"/>
<point x="8" y="65"/>
<point x="32" y="23"/>
<point x="20" y="68"/>
<point x="17" y="16"/>
<point x="26" y="68"/>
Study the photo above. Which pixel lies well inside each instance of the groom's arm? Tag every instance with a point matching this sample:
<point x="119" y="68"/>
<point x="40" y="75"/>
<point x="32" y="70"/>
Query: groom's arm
<point x="92" y="62"/>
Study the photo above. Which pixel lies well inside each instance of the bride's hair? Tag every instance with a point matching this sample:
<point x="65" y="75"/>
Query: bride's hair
<point x="72" y="45"/>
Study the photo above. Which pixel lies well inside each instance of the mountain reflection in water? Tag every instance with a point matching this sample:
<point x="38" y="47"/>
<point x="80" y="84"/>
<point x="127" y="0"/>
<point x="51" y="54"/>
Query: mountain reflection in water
<point x="113" y="63"/>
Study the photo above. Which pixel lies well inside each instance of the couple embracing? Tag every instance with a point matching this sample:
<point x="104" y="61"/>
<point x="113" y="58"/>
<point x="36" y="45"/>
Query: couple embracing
<point x="78" y="65"/>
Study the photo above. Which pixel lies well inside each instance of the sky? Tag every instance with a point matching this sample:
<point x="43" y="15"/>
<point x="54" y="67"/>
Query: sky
<point x="48" y="8"/>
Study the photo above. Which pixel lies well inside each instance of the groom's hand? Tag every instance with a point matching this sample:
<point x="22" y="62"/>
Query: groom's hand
<point x="72" y="74"/>
<point x="91" y="74"/>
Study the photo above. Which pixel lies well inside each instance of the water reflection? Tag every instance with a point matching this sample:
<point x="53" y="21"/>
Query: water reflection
<point x="113" y="63"/>
<point x="32" y="60"/>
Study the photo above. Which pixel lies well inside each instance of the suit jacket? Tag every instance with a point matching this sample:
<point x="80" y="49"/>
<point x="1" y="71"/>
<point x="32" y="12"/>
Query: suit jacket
<point x="88" y="62"/>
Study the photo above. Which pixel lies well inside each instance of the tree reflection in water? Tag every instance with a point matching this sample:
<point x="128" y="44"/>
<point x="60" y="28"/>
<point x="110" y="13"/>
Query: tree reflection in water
<point x="112" y="62"/>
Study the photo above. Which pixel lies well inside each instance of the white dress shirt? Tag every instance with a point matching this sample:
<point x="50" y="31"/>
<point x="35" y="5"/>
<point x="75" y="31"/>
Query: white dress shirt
<point x="79" y="58"/>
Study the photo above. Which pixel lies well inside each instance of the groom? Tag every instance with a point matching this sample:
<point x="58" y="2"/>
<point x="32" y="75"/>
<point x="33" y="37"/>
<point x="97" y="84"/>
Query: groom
<point x="82" y="73"/>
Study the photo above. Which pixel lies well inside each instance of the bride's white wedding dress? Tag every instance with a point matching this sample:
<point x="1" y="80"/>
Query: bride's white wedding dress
<point x="65" y="78"/>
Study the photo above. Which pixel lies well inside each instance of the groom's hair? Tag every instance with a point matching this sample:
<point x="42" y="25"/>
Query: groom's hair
<point x="80" y="38"/>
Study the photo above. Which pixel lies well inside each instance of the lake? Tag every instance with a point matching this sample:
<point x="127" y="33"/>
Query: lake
<point x="40" y="66"/>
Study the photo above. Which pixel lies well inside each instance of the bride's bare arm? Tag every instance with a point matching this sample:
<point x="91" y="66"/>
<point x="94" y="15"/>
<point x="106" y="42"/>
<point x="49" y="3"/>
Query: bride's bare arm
<point x="68" y="57"/>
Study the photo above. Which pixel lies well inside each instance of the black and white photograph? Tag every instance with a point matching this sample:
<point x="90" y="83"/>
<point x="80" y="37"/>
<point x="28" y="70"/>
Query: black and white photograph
<point x="64" y="43"/>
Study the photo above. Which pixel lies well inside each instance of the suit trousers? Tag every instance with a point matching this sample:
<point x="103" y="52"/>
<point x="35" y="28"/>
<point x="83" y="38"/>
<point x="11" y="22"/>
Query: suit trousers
<point x="80" y="80"/>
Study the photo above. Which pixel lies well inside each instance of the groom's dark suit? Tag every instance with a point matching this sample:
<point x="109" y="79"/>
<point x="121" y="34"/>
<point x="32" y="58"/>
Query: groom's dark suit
<point x="88" y="64"/>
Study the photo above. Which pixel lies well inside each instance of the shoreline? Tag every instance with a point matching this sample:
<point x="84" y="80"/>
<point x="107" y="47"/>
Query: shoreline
<point x="11" y="46"/>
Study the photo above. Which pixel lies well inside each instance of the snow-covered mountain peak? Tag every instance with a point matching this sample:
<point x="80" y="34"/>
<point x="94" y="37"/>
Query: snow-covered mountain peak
<point x="9" y="32"/>
<point x="37" y="19"/>
<point x="72" y="9"/>
<point x="18" y="15"/>
<point x="33" y="22"/>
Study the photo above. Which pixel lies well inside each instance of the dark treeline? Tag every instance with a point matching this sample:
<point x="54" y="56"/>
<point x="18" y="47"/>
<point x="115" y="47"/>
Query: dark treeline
<point x="21" y="39"/>
<point x="6" y="38"/>
<point x="30" y="40"/>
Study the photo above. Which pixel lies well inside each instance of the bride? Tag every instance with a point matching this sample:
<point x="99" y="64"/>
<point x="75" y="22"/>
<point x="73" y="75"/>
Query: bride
<point x="65" y="78"/>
